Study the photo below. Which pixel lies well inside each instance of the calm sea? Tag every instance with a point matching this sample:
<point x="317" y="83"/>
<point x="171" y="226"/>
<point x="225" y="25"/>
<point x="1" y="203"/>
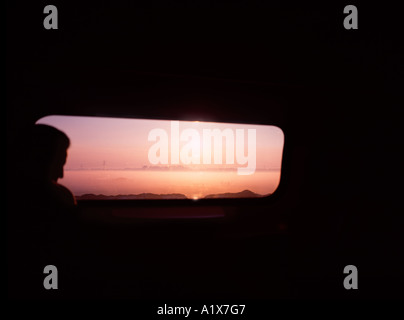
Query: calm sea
<point x="193" y="184"/>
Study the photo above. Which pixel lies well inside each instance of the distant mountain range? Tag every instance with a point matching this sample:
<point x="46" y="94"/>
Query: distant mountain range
<point x="153" y="196"/>
<point x="242" y="194"/>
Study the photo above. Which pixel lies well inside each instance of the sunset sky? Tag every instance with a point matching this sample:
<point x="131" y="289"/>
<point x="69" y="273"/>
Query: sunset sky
<point x="103" y="148"/>
<point x="123" y="143"/>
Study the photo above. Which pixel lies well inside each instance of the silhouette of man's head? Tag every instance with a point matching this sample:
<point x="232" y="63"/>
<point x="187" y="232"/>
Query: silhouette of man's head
<point x="48" y="152"/>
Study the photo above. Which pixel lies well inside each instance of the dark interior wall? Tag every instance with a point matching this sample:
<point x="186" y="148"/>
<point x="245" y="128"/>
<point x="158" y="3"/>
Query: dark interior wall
<point x="334" y="92"/>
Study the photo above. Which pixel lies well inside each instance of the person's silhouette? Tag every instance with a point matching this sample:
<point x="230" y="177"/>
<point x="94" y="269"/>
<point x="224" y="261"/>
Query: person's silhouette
<point x="48" y="153"/>
<point x="44" y="220"/>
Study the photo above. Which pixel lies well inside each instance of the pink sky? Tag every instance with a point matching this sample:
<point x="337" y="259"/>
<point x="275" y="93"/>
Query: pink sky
<point x="119" y="143"/>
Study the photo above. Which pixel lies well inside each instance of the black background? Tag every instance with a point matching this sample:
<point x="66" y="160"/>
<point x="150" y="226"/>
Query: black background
<point x="334" y="92"/>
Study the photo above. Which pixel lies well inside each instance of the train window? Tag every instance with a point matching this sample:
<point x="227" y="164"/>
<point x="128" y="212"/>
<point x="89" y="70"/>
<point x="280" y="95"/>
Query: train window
<point x="123" y="158"/>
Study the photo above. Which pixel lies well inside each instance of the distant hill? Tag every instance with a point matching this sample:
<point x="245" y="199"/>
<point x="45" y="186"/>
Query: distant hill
<point x="242" y="194"/>
<point x="153" y="196"/>
<point x="90" y="196"/>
